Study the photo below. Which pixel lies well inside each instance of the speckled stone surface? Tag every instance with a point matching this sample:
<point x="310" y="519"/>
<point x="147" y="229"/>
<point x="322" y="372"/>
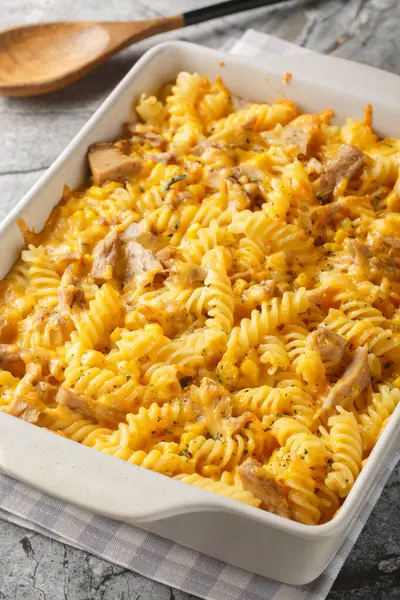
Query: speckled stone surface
<point x="33" y="131"/>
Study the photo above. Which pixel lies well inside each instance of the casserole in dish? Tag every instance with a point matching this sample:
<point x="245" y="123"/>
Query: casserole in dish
<point x="304" y="566"/>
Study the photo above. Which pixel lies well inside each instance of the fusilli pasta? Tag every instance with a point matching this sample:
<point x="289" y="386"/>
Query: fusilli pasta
<point x="221" y="303"/>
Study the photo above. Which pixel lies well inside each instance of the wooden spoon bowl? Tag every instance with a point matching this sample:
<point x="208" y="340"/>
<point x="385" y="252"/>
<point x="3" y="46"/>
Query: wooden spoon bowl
<point x="36" y="59"/>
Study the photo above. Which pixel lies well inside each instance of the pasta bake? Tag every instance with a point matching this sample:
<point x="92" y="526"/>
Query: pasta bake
<point x="221" y="303"/>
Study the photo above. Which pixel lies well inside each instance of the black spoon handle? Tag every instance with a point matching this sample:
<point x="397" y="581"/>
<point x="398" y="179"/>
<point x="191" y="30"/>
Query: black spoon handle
<point x="224" y="8"/>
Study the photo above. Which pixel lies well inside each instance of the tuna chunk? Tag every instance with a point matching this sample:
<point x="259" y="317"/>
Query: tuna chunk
<point x="68" y="398"/>
<point x="133" y="231"/>
<point x="167" y="256"/>
<point x="314" y="167"/>
<point x="163" y="158"/>
<point x="105" y="254"/>
<point x="212" y="390"/>
<point x="26" y="405"/>
<point x="377" y="267"/>
<point x="378" y="241"/>
<point x="238" y="140"/>
<point x="200" y="148"/>
<point x="155" y="140"/>
<point x="136" y="232"/>
<point x="233" y="425"/>
<point x="125" y="254"/>
<point x="392" y="242"/>
<point x="323" y="214"/>
<point x="256" y="480"/>
<point x="69" y="292"/>
<point x="254" y="175"/>
<point x="315" y="296"/>
<point x="9" y="354"/>
<point x="359" y="254"/>
<point x="33" y="374"/>
<point x="213" y="178"/>
<point x="194" y="275"/>
<point x="138" y="260"/>
<point x="354" y="380"/>
<point x="238" y="102"/>
<point x="186" y="274"/>
<point x="382" y="267"/>
<point x="298" y="136"/>
<point x="108" y="163"/>
<point x="350" y="159"/>
<point x="23" y="410"/>
<point x="330" y="345"/>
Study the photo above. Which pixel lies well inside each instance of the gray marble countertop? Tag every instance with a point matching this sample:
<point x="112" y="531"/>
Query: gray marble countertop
<point x="33" y="131"/>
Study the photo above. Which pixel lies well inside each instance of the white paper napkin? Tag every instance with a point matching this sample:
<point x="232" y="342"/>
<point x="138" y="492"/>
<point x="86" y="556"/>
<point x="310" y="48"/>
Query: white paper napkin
<point x="155" y="557"/>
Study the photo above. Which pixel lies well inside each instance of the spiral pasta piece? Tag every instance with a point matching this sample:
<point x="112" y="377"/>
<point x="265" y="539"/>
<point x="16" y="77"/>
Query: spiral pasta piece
<point x="220" y="303"/>
<point x="105" y="312"/>
<point x="294" y="337"/>
<point x="222" y="489"/>
<point x="181" y="108"/>
<point x="274" y="234"/>
<point x="273" y="353"/>
<point x="300" y="485"/>
<point x="346" y="443"/>
<point x="44" y="280"/>
<point x="260" y="116"/>
<point x="272" y="314"/>
<point x="381" y="342"/>
<point x="251" y="331"/>
<point x="371" y="420"/>
<point x="262" y="401"/>
<point x="211" y="456"/>
<point x="70" y="423"/>
<point x="328" y="502"/>
<point x="200" y="240"/>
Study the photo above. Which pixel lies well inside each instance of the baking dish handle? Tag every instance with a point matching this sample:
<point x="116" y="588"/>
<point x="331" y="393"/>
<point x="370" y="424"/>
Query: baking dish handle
<point x="103" y="484"/>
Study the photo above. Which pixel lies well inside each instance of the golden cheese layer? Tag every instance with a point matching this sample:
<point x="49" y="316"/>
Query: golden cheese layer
<point x="221" y="305"/>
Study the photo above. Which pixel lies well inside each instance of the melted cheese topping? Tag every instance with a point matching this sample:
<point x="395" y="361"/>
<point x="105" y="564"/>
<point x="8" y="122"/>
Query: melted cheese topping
<point x="185" y="343"/>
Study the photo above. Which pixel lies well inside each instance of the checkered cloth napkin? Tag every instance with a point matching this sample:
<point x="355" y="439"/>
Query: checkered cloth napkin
<point x="154" y="556"/>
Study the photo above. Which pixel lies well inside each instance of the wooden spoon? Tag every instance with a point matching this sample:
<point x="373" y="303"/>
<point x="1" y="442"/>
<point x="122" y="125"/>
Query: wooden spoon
<point x="41" y="58"/>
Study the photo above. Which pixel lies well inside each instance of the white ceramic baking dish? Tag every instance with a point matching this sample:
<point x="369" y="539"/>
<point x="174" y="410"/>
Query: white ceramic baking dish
<point x="241" y="535"/>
